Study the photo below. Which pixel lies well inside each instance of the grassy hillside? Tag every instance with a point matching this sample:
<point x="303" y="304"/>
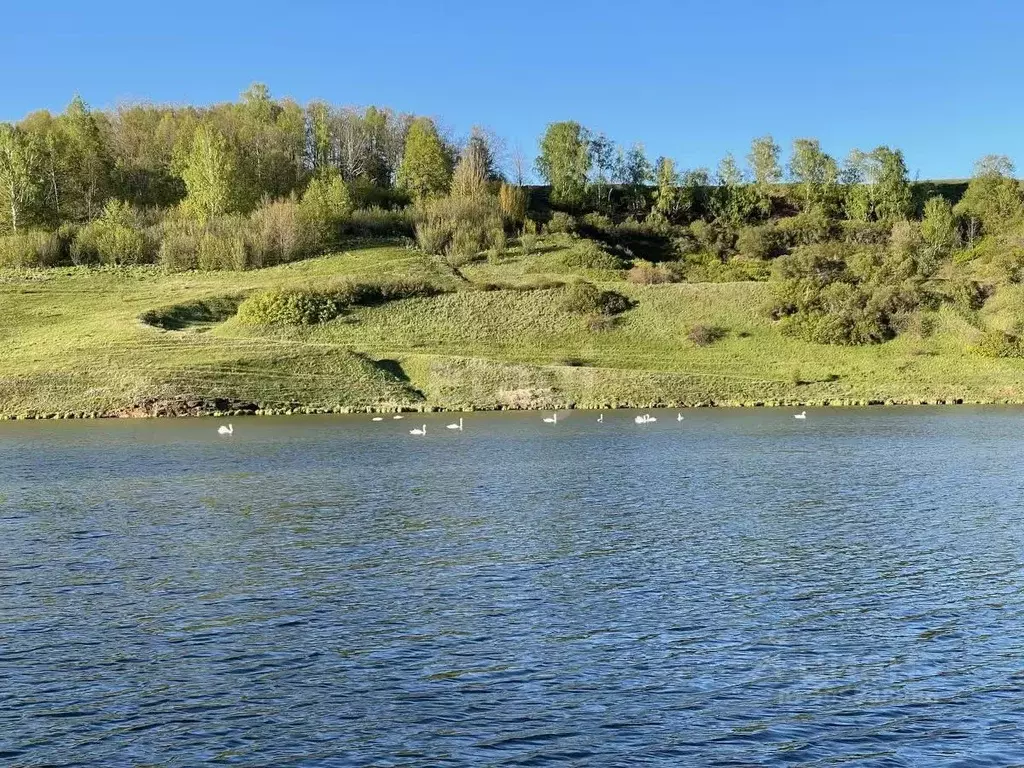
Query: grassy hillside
<point x="138" y="341"/>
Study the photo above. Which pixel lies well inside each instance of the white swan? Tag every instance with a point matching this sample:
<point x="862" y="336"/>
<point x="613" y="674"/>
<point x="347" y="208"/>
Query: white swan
<point x="801" y="415"/>
<point x="650" y="419"/>
<point x="645" y="419"/>
<point x="456" y="426"/>
<point x="421" y="431"/>
<point x="600" y="419"/>
<point x="551" y="419"/>
<point x="679" y="417"/>
<point x="228" y="430"/>
<point x="398" y="416"/>
<point x="377" y="418"/>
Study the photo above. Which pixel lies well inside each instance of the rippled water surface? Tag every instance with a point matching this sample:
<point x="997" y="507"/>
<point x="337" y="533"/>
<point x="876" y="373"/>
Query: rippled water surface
<point x="739" y="588"/>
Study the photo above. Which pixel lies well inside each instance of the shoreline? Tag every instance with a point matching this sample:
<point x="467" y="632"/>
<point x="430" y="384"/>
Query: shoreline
<point x="158" y="412"/>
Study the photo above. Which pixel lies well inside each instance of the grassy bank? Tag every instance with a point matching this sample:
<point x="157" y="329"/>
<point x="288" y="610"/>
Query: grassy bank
<point x="138" y="341"/>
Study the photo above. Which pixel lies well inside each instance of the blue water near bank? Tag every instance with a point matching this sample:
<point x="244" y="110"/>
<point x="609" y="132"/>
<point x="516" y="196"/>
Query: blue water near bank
<point x="739" y="588"/>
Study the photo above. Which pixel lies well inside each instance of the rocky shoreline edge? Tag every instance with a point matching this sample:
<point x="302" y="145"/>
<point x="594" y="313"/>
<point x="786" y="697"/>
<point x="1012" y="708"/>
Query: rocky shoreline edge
<point x="222" y="407"/>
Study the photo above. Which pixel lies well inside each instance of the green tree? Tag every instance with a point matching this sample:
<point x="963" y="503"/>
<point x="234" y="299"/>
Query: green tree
<point x="209" y="170"/>
<point x="634" y="174"/>
<point x="602" y="162"/>
<point x="47" y="134"/>
<point x="815" y="172"/>
<point x="891" y="185"/>
<point x="939" y="225"/>
<point x="668" y="199"/>
<point x="564" y="162"/>
<point x="993" y="197"/>
<point x="270" y="137"/>
<point x="695" y="193"/>
<point x="857" y="198"/>
<point x="766" y="172"/>
<point x="89" y="163"/>
<point x="426" y="169"/>
<point x="319" y="137"/>
<point x="325" y="205"/>
<point x="19" y="173"/>
<point x="732" y="200"/>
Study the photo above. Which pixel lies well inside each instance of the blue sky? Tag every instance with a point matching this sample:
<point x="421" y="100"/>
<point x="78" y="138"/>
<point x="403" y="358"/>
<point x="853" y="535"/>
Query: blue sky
<point x="692" y="80"/>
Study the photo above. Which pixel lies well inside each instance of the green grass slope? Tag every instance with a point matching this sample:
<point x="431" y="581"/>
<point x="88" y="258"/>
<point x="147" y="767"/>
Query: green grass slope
<point x="139" y="341"/>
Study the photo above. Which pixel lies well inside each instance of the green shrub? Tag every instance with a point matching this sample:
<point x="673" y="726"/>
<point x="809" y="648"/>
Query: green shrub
<point x="313" y="306"/>
<point x="968" y="295"/>
<point x="586" y="254"/>
<point x="761" y="242"/>
<point x="326" y="205"/>
<point x="32" y="248"/>
<point x="831" y="294"/>
<point x="585" y="298"/>
<point x="806" y="228"/>
<point x="288" y="307"/>
<point x="369" y="292"/>
<point x="560" y="223"/>
<point x="713" y="237"/>
<point x="996" y="343"/>
<point x="857" y="232"/>
<point x="116" y="237"/>
<point x="596" y="222"/>
<point x="707" y="268"/>
<point x="528" y="237"/>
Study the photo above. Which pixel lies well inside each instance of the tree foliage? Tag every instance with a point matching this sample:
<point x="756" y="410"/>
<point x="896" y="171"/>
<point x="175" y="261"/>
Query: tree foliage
<point x="426" y="169"/>
<point x="565" y="161"/>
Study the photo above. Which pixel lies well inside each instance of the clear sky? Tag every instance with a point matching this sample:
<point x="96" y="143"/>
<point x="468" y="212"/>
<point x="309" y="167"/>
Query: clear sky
<point x="941" y="80"/>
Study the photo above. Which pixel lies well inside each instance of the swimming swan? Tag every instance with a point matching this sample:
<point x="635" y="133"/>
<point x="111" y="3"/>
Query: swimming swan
<point x="801" y="415"/>
<point x="600" y="419"/>
<point x="551" y="419"/>
<point x="679" y="417"/>
<point x="421" y="431"/>
<point x="228" y="430"/>
<point x="645" y="419"/>
<point x="456" y="426"/>
<point x="377" y="418"/>
<point x="398" y="416"/>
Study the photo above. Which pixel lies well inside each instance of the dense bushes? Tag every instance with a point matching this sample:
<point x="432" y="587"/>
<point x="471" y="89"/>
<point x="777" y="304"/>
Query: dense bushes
<point x="761" y="242"/>
<point x="585" y="298"/>
<point x="311" y="306"/>
<point x="288" y="307"/>
<point x="459" y="227"/>
<point x="586" y="254"/>
<point x="32" y="248"/>
<point x="834" y="294"/>
<point x="116" y="237"/>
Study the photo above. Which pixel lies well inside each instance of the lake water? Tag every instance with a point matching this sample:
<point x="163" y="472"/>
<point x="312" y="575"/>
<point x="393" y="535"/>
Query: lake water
<point x="740" y="588"/>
